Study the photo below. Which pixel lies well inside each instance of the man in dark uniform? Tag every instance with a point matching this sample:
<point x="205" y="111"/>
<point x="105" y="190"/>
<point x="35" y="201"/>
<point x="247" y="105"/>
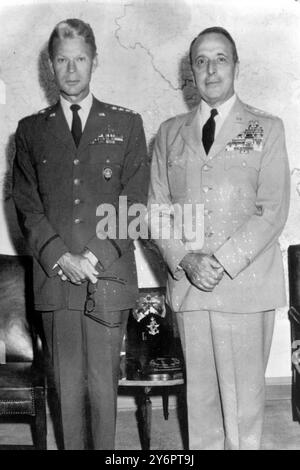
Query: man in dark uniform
<point x="71" y="158"/>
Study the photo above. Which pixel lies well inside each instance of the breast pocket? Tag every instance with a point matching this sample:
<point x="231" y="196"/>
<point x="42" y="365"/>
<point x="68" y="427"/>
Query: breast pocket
<point x="177" y="175"/>
<point x="243" y="162"/>
<point x="49" y="176"/>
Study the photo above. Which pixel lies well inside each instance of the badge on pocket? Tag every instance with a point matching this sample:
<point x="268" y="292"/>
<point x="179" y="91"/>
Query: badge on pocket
<point x="107" y="173"/>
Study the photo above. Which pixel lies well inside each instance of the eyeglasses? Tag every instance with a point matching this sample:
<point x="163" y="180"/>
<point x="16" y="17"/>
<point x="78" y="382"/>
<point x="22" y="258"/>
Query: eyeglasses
<point x="90" y="302"/>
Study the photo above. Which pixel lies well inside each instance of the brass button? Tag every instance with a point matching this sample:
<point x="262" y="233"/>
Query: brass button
<point x="76" y="161"/>
<point x="77" y="221"/>
<point x="76" y="181"/>
<point x="208" y="234"/>
<point x="206" y="168"/>
<point x="77" y="201"/>
<point x="205" y="189"/>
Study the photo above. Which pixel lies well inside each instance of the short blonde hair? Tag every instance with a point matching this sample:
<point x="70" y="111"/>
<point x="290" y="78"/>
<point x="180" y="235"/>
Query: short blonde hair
<point x="71" y="28"/>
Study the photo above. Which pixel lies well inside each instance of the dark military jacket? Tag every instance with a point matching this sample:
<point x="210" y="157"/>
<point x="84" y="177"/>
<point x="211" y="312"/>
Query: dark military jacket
<point x="58" y="188"/>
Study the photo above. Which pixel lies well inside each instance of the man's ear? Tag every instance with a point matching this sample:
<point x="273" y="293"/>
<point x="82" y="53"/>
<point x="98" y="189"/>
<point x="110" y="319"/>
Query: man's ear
<point x="95" y="63"/>
<point x="51" y="65"/>
<point x="193" y="78"/>
<point x="236" y="70"/>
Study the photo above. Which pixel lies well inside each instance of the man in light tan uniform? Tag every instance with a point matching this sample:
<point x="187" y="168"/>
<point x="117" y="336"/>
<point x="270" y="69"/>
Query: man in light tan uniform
<point x="231" y="158"/>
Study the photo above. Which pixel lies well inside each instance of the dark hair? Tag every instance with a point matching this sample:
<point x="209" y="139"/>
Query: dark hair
<point x="71" y="28"/>
<point x="216" y="30"/>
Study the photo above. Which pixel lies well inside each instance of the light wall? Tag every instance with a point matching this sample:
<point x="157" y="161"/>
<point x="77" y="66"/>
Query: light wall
<point x="142" y="65"/>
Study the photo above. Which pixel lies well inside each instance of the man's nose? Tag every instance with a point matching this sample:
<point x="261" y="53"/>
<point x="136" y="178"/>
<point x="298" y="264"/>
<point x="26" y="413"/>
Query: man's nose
<point x="211" y="67"/>
<point x="71" y="66"/>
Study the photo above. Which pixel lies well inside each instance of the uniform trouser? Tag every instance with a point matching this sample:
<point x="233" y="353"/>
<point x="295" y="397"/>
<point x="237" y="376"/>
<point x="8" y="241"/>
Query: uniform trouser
<point x="85" y="357"/>
<point x="226" y="355"/>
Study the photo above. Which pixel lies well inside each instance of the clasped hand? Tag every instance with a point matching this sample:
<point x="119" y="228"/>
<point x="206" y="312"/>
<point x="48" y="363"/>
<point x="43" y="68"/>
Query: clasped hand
<point x="76" y="269"/>
<point x="202" y="270"/>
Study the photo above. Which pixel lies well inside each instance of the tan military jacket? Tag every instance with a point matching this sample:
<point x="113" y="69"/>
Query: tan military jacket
<point x="244" y="185"/>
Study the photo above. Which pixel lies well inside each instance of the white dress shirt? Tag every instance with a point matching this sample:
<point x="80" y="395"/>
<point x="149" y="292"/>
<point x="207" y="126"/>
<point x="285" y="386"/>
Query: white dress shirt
<point x="223" y="111"/>
<point x="85" y="107"/>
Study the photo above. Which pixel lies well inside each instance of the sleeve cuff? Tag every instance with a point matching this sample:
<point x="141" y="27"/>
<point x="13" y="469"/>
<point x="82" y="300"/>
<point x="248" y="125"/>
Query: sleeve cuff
<point x="232" y="262"/>
<point x="51" y="254"/>
<point x="173" y="260"/>
<point x="90" y="256"/>
<point x="105" y="251"/>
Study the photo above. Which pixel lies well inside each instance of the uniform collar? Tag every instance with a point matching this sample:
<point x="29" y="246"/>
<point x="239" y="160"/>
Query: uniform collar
<point x="85" y="104"/>
<point x="223" y="109"/>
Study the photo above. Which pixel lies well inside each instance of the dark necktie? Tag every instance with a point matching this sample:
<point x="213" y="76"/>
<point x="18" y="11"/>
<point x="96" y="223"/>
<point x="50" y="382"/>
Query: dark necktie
<point x="76" y="124"/>
<point x="208" y="131"/>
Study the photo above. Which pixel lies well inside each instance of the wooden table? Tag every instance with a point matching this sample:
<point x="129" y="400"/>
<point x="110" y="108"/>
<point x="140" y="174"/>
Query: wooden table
<point x="145" y="404"/>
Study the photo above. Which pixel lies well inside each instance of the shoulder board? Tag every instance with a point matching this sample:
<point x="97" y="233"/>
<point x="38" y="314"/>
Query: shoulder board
<point x="45" y="110"/>
<point x="259" y="112"/>
<point x="177" y="118"/>
<point x="37" y="116"/>
<point x="120" y="108"/>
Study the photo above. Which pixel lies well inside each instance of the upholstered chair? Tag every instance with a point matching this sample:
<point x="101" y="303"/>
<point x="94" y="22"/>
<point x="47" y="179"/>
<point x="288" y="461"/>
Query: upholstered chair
<point x="22" y="385"/>
<point x="294" y="316"/>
